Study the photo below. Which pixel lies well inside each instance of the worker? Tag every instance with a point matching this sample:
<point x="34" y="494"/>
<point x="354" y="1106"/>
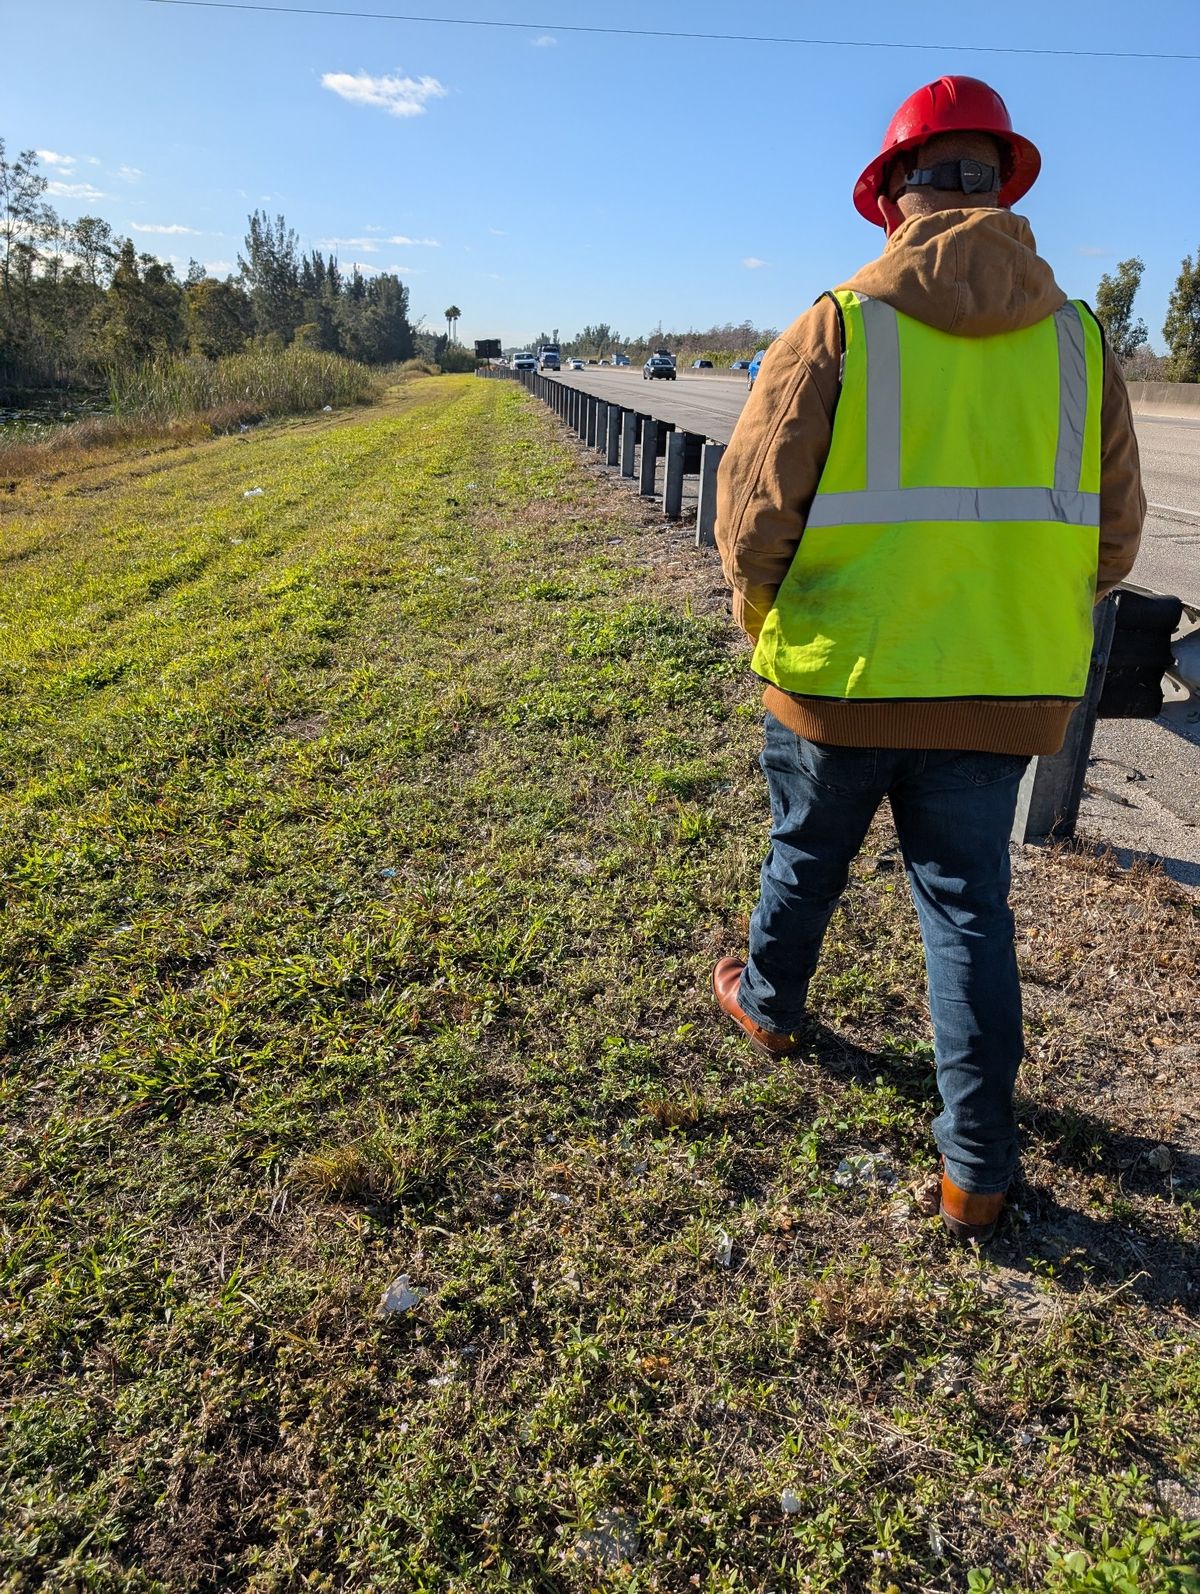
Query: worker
<point x="933" y="480"/>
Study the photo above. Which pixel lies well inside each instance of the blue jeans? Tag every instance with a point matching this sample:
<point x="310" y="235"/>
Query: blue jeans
<point x="954" y="814"/>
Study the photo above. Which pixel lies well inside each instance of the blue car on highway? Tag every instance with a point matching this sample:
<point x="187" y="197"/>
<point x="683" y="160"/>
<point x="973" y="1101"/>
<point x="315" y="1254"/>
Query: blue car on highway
<point x="753" y="371"/>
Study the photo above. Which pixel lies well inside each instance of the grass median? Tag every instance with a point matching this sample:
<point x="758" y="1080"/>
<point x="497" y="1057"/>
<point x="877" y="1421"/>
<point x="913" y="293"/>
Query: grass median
<point x="367" y="843"/>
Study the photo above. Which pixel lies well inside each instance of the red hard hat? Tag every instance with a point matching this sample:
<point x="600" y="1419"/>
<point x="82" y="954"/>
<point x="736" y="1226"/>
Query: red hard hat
<point x="951" y="105"/>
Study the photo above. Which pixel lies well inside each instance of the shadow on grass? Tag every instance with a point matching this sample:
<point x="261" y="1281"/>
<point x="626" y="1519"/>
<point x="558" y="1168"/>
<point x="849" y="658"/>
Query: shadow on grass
<point x="1127" y="1249"/>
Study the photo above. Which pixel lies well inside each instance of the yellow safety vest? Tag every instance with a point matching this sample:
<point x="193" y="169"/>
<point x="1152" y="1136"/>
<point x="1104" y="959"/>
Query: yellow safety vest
<point x="951" y="549"/>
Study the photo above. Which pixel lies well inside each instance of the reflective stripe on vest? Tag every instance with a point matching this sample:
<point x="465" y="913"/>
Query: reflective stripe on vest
<point x="951" y="548"/>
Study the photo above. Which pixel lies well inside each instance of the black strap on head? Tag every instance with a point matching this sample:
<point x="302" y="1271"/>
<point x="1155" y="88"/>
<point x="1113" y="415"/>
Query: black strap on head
<point x="962" y="177"/>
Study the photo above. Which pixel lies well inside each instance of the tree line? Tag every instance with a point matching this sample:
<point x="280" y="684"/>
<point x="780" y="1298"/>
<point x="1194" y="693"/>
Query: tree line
<point x="1127" y="335"/>
<point x="77" y="300"/>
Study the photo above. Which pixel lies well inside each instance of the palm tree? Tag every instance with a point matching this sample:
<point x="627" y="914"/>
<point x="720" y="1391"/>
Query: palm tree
<point x="452" y="314"/>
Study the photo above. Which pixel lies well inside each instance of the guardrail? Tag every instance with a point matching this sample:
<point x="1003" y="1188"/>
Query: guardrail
<point x="634" y="443"/>
<point x="1132" y="649"/>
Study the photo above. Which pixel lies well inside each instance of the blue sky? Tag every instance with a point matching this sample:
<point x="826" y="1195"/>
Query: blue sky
<point x="547" y="179"/>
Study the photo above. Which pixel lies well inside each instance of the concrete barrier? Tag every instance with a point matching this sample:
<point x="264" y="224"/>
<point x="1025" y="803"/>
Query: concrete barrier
<point x="1165" y="398"/>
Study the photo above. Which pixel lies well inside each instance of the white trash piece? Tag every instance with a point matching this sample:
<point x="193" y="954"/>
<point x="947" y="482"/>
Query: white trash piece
<point x="254" y="492"/>
<point x="865" y="1167"/>
<point x="327" y="409"/>
<point x="724" y="1249"/>
<point x="400" y="1296"/>
<point x="791" y="1502"/>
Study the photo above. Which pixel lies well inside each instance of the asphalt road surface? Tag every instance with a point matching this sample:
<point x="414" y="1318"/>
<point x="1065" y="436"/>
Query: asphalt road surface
<point x="1169" y="561"/>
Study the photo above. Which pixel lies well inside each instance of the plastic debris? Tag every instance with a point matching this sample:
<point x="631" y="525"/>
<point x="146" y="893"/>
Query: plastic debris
<point x="937" y="1543"/>
<point x="400" y="1296"/>
<point x="865" y="1167"/>
<point x="388" y="874"/>
<point x="327" y="409"/>
<point x="254" y="492"/>
<point x="559" y="1199"/>
<point x="791" y="1502"/>
<point x="724" y="1249"/>
<point x="612" y="1541"/>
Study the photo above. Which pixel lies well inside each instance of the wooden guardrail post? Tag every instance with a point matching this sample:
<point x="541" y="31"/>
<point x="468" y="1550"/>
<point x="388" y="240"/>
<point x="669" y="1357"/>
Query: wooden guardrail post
<point x="672" y="500"/>
<point x="628" y="442"/>
<point x="649" y="456"/>
<point x="706" y="515"/>
<point x="1051" y="791"/>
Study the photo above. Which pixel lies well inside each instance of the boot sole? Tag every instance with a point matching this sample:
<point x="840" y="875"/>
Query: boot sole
<point x="980" y="1233"/>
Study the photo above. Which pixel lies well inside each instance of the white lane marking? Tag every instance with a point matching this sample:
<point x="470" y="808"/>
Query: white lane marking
<point x="1172" y="509"/>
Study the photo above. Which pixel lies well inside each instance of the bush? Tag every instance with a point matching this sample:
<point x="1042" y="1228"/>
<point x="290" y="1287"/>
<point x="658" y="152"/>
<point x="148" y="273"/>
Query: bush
<point x="269" y="381"/>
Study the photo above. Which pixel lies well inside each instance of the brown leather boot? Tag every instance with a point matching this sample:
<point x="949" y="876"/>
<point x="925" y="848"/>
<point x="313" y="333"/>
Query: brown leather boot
<point x="968" y="1216"/>
<point x="725" y="979"/>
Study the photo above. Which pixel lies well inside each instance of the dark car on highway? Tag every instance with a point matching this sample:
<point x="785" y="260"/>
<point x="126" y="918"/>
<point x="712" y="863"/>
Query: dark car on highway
<point x="659" y="365"/>
<point x="740" y="365"/>
<point x="702" y="365"/>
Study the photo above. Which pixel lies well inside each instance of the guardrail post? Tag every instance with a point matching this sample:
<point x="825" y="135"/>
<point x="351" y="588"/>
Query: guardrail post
<point x="601" y="425"/>
<point x="1050" y="794"/>
<point x="706" y="514"/>
<point x="578" y="418"/>
<point x="592" y="415"/>
<point x="628" y="441"/>
<point x="672" y="500"/>
<point x="649" y="456"/>
<point x="613" y="437"/>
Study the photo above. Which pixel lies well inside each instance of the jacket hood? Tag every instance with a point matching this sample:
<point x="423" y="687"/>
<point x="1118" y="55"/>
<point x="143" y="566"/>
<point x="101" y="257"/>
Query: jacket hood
<point x="972" y="272"/>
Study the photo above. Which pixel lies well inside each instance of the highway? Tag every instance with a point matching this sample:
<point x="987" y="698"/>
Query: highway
<point x="1169" y="561"/>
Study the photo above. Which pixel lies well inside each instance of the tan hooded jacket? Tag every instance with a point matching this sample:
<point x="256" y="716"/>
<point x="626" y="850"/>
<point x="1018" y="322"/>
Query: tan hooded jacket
<point x="970" y="272"/>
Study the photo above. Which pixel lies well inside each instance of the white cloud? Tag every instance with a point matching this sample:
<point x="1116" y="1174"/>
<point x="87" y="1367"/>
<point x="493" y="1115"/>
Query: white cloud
<point x="367" y="245"/>
<point x="497" y="232"/>
<point x="369" y="228"/>
<point x="49" y="157"/>
<point x="73" y="191"/>
<point x="92" y="160"/>
<point x="1092" y="250"/>
<point x="129" y="174"/>
<point x="218" y="268"/>
<point x="167" y="228"/>
<point x="544" y="41"/>
<point x="753" y="263"/>
<point x="398" y="96"/>
<point x="421" y="243"/>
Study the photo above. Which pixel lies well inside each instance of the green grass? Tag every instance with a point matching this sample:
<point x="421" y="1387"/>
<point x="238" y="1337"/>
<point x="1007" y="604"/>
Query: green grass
<point x="366" y="845"/>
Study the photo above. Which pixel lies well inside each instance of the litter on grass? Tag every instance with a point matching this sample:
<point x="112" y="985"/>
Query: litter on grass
<point x="791" y="1502"/>
<point x="865" y="1167"/>
<point x="724" y="1249"/>
<point x="611" y="1542"/>
<point x="254" y="492"/>
<point x="400" y="1296"/>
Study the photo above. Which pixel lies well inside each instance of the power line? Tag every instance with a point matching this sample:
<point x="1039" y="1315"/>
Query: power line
<point x="674" y="33"/>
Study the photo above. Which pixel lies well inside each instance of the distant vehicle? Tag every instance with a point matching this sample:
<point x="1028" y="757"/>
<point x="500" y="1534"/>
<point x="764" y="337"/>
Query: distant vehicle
<point x="549" y="357"/>
<point x="525" y="361"/>
<point x="740" y="365"/>
<point x="574" y="363"/>
<point x="702" y="365"/>
<point x="753" y="369"/>
<point x="593" y="362"/>
<point x="660" y="367"/>
<point x="603" y="362"/>
<point x="620" y="359"/>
